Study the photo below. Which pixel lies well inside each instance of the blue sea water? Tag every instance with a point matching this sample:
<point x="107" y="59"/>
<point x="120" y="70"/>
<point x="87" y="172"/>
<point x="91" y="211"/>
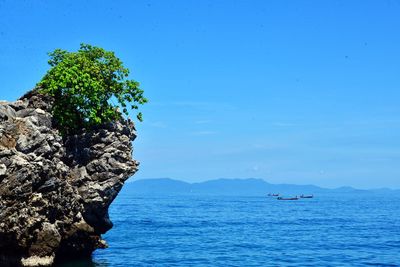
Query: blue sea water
<point x="328" y="230"/>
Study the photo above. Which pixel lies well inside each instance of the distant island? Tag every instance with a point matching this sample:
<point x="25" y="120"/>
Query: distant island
<point x="231" y="187"/>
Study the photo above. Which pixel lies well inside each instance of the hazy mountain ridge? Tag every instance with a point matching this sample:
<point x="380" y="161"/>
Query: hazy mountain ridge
<point x="242" y="187"/>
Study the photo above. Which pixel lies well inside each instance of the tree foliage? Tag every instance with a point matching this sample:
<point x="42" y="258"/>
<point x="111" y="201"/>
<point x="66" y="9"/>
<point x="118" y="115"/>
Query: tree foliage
<point x="85" y="84"/>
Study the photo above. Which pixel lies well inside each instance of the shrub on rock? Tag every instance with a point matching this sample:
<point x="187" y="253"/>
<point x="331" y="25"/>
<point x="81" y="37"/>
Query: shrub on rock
<point x="84" y="85"/>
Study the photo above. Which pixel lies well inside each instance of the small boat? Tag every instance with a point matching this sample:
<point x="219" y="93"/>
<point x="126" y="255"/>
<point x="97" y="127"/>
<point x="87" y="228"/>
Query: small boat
<point x="273" y="195"/>
<point x="306" y="196"/>
<point x="288" y="198"/>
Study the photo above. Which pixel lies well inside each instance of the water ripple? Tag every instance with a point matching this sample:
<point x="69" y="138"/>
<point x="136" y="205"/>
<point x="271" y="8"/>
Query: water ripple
<point x="243" y="231"/>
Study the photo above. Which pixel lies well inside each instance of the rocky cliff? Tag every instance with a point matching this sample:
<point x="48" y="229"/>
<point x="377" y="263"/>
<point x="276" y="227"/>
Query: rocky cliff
<point x="55" y="190"/>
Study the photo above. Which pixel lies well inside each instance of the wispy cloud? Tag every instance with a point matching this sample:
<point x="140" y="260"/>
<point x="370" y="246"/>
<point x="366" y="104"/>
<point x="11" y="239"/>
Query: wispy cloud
<point x="158" y="124"/>
<point x="196" y="105"/>
<point x="202" y="121"/>
<point x="284" y="124"/>
<point x="255" y="168"/>
<point x="204" y="133"/>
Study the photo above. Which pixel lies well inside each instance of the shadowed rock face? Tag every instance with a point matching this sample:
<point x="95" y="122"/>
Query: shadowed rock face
<point x="55" y="191"/>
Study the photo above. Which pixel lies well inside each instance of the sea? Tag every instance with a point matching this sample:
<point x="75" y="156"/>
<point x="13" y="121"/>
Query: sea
<point x="347" y="229"/>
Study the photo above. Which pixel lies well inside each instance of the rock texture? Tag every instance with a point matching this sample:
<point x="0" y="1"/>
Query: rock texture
<point x="55" y="191"/>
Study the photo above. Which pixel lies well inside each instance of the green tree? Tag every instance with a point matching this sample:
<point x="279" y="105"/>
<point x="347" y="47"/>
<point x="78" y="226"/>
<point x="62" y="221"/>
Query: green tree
<point x="85" y="84"/>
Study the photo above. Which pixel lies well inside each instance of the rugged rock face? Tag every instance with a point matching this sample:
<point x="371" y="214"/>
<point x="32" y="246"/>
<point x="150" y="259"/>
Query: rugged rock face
<point x="55" y="191"/>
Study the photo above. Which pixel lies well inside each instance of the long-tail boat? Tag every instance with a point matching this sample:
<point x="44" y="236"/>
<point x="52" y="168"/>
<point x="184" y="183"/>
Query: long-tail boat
<point x="288" y="198"/>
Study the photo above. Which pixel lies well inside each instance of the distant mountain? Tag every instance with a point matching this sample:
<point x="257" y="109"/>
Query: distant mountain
<point x="158" y="186"/>
<point x="230" y="187"/>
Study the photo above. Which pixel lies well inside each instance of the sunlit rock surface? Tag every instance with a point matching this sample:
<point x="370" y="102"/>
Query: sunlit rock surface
<point x="55" y="191"/>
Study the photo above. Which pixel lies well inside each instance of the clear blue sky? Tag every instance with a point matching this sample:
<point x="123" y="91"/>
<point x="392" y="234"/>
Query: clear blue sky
<point x="289" y="91"/>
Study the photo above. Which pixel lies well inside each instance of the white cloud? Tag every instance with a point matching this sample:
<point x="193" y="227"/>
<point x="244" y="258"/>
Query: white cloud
<point x="204" y="133"/>
<point x="284" y="124"/>
<point x="158" y="124"/>
<point x="202" y="121"/>
<point x="196" y="105"/>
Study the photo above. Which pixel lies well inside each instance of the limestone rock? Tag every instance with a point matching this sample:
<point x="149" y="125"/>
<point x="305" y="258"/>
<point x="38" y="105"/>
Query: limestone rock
<point x="55" y="191"/>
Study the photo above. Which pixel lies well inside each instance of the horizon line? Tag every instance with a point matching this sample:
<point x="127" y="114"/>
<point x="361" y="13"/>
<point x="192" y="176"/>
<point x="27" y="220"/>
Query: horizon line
<point x="132" y="179"/>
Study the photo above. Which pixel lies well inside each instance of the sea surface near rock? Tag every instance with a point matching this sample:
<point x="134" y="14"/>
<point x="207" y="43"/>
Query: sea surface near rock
<point x="332" y="229"/>
<point x="55" y="190"/>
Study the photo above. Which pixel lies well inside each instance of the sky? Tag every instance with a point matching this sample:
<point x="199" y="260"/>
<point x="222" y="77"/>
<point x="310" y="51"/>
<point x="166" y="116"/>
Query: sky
<point x="302" y="92"/>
